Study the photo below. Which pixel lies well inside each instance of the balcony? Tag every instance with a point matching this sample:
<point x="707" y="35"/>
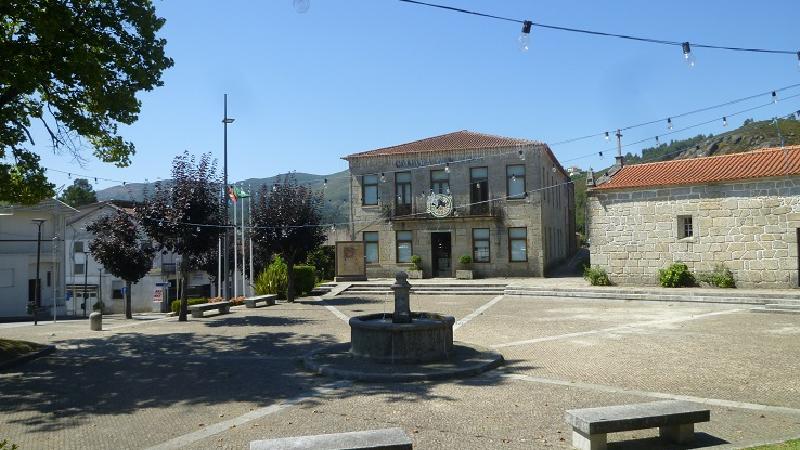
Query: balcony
<point x="408" y="212"/>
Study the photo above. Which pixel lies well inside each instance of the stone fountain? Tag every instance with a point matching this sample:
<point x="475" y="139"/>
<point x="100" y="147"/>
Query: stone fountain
<point x="402" y="346"/>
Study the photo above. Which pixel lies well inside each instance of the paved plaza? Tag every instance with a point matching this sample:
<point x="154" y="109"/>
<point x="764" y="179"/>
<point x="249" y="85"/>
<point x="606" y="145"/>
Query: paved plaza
<point x="222" y="381"/>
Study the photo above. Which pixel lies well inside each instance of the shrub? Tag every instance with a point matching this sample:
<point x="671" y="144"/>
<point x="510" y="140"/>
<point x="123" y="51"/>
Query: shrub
<point x="465" y="260"/>
<point x="324" y="261"/>
<point x="303" y="279"/>
<point x="720" y="277"/>
<point x="596" y="275"/>
<point x="175" y="305"/>
<point x="416" y="262"/>
<point x="676" y="275"/>
<point x="273" y="279"/>
<point x="99" y="306"/>
<point x="4" y="444"/>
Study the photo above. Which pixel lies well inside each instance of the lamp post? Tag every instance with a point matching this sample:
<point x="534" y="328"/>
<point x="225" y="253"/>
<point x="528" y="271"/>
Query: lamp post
<point x="225" y="121"/>
<point x="37" y="295"/>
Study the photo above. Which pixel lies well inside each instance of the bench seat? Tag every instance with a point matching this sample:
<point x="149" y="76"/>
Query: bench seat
<point x="674" y="418"/>
<point x="198" y="310"/>
<point x="268" y="299"/>
<point x="387" y="439"/>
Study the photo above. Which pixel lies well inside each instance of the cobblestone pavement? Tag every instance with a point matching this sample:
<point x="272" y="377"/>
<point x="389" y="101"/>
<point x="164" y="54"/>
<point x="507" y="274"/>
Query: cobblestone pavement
<point x="222" y="381"/>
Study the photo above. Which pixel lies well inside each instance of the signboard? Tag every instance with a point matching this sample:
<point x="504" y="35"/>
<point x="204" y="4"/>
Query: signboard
<point x="158" y="295"/>
<point x="350" y="261"/>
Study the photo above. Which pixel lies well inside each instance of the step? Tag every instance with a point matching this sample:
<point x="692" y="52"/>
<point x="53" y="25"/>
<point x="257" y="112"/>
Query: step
<point x="783" y="305"/>
<point x="792" y="297"/>
<point x="776" y="310"/>
<point x="651" y="296"/>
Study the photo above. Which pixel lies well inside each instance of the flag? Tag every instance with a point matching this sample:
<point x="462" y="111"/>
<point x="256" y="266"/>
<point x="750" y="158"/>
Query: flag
<point x="232" y="193"/>
<point x="240" y="192"/>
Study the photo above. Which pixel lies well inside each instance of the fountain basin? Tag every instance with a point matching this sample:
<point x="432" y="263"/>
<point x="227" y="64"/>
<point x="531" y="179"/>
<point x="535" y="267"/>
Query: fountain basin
<point x="427" y="338"/>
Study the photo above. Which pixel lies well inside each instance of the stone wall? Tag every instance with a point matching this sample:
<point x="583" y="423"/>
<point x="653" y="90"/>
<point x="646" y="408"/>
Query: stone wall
<point x="750" y="227"/>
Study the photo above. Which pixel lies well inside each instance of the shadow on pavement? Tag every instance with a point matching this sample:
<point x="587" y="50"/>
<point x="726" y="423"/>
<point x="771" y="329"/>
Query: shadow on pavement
<point x="701" y="440"/>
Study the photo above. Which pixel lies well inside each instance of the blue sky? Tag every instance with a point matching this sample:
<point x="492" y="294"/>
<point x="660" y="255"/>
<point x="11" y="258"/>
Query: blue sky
<point x="352" y="75"/>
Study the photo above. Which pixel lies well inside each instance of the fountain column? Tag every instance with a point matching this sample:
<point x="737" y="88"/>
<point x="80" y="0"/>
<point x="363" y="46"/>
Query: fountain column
<point x="402" y="298"/>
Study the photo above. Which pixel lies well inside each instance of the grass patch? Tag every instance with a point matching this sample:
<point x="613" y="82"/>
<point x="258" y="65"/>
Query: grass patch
<point x="11" y="349"/>
<point x="794" y="444"/>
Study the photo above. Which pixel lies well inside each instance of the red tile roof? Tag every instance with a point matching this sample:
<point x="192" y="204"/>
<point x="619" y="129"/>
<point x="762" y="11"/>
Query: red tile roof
<point x="770" y="162"/>
<point x="459" y="140"/>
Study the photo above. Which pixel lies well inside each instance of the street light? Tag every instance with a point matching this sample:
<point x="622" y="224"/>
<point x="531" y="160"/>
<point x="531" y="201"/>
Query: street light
<point x="225" y="121"/>
<point x="37" y="299"/>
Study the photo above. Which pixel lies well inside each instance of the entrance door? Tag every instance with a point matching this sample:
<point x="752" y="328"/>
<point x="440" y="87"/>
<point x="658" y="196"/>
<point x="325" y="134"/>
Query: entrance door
<point x="32" y="291"/>
<point x="440" y="254"/>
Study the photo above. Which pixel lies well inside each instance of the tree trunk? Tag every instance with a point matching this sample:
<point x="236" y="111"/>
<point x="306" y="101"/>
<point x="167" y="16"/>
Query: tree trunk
<point x="128" y="313"/>
<point x="184" y="279"/>
<point x="290" y="279"/>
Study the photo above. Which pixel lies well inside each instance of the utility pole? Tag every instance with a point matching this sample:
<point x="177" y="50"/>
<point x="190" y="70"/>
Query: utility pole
<point x="225" y="121"/>
<point x="620" y="162"/>
<point x="37" y="299"/>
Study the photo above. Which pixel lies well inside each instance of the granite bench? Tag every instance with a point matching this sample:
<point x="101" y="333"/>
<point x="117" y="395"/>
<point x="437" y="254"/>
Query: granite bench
<point x="268" y="299"/>
<point x="674" y="418"/>
<point x="198" y="310"/>
<point x="387" y="439"/>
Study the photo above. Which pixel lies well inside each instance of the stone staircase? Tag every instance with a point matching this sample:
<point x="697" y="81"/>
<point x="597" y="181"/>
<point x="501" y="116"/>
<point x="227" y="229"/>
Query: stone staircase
<point x="769" y="301"/>
<point x="453" y="288"/>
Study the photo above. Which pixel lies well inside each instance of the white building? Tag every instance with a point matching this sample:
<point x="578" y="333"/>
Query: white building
<point x="86" y="276"/>
<point x="18" y="249"/>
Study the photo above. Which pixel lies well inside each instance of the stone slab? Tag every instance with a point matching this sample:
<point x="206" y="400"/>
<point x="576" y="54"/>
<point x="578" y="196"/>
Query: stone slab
<point x="253" y="302"/>
<point x="612" y="419"/>
<point x="386" y="439"/>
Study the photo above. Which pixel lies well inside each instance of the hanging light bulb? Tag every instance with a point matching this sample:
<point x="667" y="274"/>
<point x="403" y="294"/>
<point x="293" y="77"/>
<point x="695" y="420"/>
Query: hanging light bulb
<point x="69" y="175"/>
<point x="688" y="56"/>
<point x="521" y="155"/>
<point x="124" y="183"/>
<point x="478" y="185"/>
<point x="447" y="167"/>
<point x="324" y="183"/>
<point x="198" y="229"/>
<point x="798" y="60"/>
<point x="333" y="227"/>
<point x="301" y="6"/>
<point x="774" y="97"/>
<point x="724" y="121"/>
<point x="657" y="143"/>
<point x="525" y="36"/>
<point x="95" y="180"/>
<point x="513" y="178"/>
<point x="383" y="177"/>
<point x="601" y="154"/>
<point x="669" y="124"/>
<point x="607" y="137"/>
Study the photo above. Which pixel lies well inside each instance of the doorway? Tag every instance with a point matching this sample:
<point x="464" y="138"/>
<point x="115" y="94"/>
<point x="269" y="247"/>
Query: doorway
<point x="440" y="254"/>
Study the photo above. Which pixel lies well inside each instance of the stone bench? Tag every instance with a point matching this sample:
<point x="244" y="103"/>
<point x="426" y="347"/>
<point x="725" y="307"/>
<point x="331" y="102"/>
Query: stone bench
<point x="387" y="439"/>
<point x="674" y="418"/>
<point x="252" y="302"/>
<point x="198" y="310"/>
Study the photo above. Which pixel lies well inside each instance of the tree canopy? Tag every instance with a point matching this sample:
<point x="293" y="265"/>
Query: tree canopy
<point x="80" y="193"/>
<point x="73" y="69"/>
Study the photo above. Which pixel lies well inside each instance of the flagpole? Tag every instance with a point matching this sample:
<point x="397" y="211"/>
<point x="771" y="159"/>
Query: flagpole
<point x="219" y="267"/>
<point x="244" y="253"/>
<point x="250" y="241"/>
<point x="235" y="258"/>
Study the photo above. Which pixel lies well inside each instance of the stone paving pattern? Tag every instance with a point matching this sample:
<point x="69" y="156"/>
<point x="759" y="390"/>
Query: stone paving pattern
<point x="142" y="383"/>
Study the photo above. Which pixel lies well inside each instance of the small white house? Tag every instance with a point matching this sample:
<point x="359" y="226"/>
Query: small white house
<point x="18" y="252"/>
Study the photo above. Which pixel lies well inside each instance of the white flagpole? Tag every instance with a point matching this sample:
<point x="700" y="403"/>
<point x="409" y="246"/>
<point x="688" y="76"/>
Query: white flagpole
<point x="219" y="267"/>
<point x="235" y="260"/>
<point x="250" y="236"/>
<point x="244" y="253"/>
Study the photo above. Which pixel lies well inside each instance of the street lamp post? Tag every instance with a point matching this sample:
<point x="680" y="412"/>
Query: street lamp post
<point x="37" y="295"/>
<point x="225" y="121"/>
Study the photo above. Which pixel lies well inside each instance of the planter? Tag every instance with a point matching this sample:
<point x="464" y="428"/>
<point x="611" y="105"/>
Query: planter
<point x="414" y="274"/>
<point x="464" y="274"/>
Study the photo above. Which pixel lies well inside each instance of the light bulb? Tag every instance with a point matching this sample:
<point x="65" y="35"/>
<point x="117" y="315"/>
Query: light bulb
<point x="383" y="177"/>
<point x="607" y="135"/>
<point x="513" y="178"/>
<point x="601" y="154"/>
<point x="525" y="36"/>
<point x="447" y="167"/>
<point x="669" y="124"/>
<point x="69" y="175"/>
<point x="688" y="56"/>
<point x="724" y="121"/>
<point x="798" y="60"/>
<point x="301" y="6"/>
<point x="521" y="155"/>
<point x="774" y="97"/>
<point x="657" y="143"/>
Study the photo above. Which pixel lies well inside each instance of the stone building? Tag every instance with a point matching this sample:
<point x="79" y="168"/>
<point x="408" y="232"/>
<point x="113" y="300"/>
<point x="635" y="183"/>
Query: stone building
<point x="505" y="202"/>
<point x="740" y="210"/>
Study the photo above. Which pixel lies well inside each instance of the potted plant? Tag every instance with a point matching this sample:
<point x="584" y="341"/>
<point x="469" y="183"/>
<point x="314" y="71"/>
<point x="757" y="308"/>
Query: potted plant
<point x="415" y="272"/>
<point x="465" y="272"/>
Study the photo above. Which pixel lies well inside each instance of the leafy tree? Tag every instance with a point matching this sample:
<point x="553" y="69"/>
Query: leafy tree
<point x="80" y="193"/>
<point x="186" y="216"/>
<point x="122" y="250"/>
<point x="74" y="68"/>
<point x="286" y="220"/>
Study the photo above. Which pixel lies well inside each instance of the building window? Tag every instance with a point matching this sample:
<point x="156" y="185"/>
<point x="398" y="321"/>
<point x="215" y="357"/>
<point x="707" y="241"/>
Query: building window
<point x="440" y="182"/>
<point x="116" y="289"/>
<point x="480" y="245"/>
<point x="79" y="269"/>
<point x="369" y="190"/>
<point x="515" y="181"/>
<point x="371" y="247"/>
<point x="479" y="190"/>
<point x="518" y="244"/>
<point x="685" y="227"/>
<point x="77" y="247"/>
<point x="404" y="247"/>
<point x="403" y="190"/>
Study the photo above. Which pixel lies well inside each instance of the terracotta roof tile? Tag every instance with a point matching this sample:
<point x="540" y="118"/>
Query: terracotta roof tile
<point x="768" y="162"/>
<point x="459" y="140"/>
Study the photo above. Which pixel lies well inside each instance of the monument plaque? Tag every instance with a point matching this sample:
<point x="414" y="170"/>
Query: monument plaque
<point x="350" y="261"/>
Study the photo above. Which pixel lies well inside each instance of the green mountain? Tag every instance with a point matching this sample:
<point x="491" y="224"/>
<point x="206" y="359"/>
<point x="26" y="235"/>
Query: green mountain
<point x="750" y="136"/>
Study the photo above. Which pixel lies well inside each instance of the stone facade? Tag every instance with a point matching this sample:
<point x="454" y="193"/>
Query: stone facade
<point x="547" y="215"/>
<point x="750" y="226"/>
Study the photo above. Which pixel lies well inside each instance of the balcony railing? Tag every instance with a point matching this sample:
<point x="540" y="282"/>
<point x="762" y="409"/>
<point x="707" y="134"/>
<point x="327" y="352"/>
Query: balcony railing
<point x="397" y="212"/>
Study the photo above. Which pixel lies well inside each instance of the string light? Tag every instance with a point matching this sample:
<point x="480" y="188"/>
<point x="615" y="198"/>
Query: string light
<point x="324" y="183"/>
<point x="600" y="154"/>
<point x="657" y="143"/>
<point x="669" y="123"/>
<point x="525" y="36"/>
<point x="607" y="137"/>
<point x="724" y="121"/>
<point x="521" y="155"/>
<point x="688" y="57"/>
<point x="774" y="97"/>
<point x="446" y="167"/>
<point x="383" y="177"/>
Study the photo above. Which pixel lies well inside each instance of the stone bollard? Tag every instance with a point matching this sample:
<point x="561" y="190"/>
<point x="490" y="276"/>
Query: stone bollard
<point x="96" y="321"/>
<point x="402" y="301"/>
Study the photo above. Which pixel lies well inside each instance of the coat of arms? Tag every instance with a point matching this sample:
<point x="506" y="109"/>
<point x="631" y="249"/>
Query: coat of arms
<point x="440" y="205"/>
